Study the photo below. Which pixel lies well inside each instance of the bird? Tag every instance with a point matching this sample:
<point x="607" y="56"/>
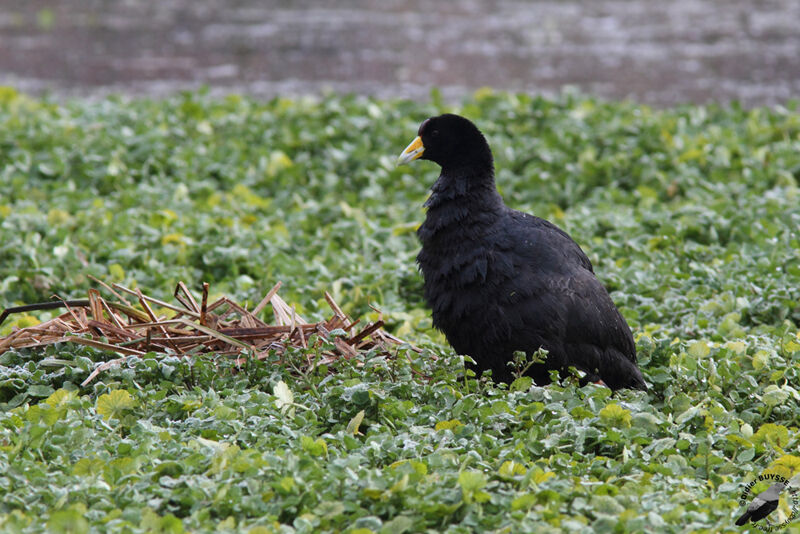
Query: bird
<point x="500" y="281"/>
<point x="763" y="504"/>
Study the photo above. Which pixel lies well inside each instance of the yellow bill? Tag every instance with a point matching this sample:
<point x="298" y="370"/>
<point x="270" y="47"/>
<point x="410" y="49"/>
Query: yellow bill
<point x="412" y="152"/>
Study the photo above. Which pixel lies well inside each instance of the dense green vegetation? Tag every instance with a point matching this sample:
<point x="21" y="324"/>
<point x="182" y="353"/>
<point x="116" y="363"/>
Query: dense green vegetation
<point x="689" y="215"/>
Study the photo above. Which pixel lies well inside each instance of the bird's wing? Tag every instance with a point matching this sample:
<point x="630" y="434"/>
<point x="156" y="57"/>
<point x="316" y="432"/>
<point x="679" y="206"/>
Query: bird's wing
<point x="556" y="285"/>
<point x="593" y="318"/>
<point x="772" y="493"/>
<point x="524" y="227"/>
<point x="757" y="503"/>
<point x="551" y="298"/>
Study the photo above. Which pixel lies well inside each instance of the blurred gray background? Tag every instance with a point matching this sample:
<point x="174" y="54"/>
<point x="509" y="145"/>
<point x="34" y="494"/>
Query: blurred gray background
<point x="657" y="52"/>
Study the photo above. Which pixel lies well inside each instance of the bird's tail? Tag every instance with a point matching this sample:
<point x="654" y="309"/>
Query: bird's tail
<point x="743" y="520"/>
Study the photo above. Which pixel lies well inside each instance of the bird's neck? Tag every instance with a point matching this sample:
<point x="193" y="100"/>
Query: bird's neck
<point x="459" y="199"/>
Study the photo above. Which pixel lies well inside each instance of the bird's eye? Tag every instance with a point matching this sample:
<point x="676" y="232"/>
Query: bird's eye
<point x="435" y="133"/>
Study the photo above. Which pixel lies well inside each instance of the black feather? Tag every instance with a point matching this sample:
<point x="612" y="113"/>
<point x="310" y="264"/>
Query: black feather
<point x="499" y="281"/>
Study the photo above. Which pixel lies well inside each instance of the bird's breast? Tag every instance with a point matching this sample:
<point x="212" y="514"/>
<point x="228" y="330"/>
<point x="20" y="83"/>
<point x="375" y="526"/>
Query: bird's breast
<point x="462" y="278"/>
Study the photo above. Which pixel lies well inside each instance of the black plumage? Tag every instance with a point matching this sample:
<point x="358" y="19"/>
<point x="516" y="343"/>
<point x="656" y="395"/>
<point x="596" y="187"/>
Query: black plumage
<point x="499" y="280"/>
<point x="763" y="504"/>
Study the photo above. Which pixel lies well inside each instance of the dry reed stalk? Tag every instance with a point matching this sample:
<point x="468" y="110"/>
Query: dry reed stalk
<point x="223" y="327"/>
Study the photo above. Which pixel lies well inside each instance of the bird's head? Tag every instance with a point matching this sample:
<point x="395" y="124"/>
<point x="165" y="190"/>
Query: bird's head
<point x="451" y="141"/>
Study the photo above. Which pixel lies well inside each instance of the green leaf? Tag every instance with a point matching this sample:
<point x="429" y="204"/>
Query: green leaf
<point x="40" y="391"/>
<point x="700" y="255"/>
<point x="168" y="524"/>
<point x="660" y="445"/>
<point x="329" y="509"/>
<point x="522" y="383"/>
<point x="68" y="521"/>
<point x="774" y="395"/>
<point x="604" y="504"/>
<point x="398" y="525"/>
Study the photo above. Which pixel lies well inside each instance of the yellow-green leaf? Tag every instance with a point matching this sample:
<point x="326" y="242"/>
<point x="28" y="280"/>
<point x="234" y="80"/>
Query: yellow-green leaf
<point x="373" y="493"/>
<point x="316" y="447"/>
<point x="615" y="415"/>
<point x="787" y="466"/>
<point x="698" y="349"/>
<point x="760" y="359"/>
<point x="117" y="272"/>
<point x="114" y="404"/>
<point x="355" y="423"/>
<point x="400" y="485"/>
<point x="448" y="425"/>
<point x="278" y="161"/>
<point x="510" y="469"/>
<point x="737" y="347"/>
<point x="176" y="238"/>
<point x="770" y="433"/>
<point x="88" y="467"/>
<point x="540" y="475"/>
<point x="61" y="398"/>
<point x="285" y="398"/>
<point x="523" y="502"/>
<point x="471" y="480"/>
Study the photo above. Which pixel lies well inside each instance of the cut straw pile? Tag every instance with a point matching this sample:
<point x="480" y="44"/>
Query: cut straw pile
<point x="222" y="327"/>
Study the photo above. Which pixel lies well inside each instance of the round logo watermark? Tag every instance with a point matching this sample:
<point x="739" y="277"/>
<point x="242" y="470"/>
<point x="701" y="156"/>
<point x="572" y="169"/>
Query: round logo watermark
<point x="761" y="506"/>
